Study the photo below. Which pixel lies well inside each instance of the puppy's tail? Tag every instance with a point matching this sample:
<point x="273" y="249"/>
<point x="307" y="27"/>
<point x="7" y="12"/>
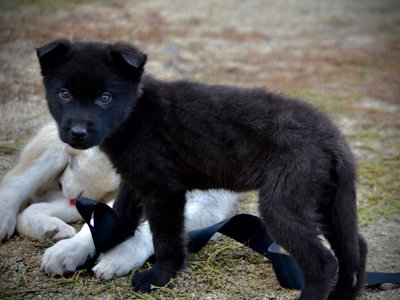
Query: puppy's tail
<point x="349" y="247"/>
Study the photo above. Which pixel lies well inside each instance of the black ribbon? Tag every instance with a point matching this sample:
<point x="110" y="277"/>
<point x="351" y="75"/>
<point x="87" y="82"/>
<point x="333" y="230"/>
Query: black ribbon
<point x="107" y="232"/>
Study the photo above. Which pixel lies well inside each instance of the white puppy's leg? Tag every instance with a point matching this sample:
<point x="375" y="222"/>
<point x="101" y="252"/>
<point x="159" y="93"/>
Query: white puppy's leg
<point x="203" y="208"/>
<point x="127" y="256"/>
<point x="47" y="220"/>
<point x="66" y="255"/>
<point x="40" y="163"/>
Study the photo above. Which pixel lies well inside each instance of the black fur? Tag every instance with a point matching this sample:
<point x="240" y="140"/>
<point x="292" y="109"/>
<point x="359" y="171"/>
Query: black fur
<point x="165" y="138"/>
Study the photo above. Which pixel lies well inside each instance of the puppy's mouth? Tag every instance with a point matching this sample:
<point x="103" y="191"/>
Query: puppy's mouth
<point x="70" y="194"/>
<point x="80" y="146"/>
<point x="77" y="197"/>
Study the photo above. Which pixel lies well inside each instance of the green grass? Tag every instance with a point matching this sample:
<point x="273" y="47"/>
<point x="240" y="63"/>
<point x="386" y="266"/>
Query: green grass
<point x="333" y="103"/>
<point x="38" y="6"/>
<point x="12" y="147"/>
<point x="378" y="173"/>
<point x="379" y="189"/>
<point x="224" y="267"/>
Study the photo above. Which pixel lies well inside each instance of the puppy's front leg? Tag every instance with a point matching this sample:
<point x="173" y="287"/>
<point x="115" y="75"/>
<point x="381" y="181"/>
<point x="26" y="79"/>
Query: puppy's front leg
<point x="66" y="255"/>
<point x="165" y="213"/>
<point x="128" y="207"/>
<point x="41" y="161"/>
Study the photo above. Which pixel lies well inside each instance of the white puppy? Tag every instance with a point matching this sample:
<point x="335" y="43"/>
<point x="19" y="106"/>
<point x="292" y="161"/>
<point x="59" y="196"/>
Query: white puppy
<point x="30" y="198"/>
<point x="31" y="201"/>
<point x="32" y="180"/>
<point x="202" y="209"/>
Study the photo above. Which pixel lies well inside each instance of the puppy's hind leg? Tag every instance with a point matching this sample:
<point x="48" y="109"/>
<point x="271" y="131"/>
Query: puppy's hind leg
<point x="289" y="216"/>
<point x="350" y="248"/>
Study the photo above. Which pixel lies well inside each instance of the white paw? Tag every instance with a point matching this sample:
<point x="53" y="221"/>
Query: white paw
<point x="65" y="256"/>
<point x="125" y="257"/>
<point x="120" y="260"/>
<point x="7" y="224"/>
<point x="56" y="229"/>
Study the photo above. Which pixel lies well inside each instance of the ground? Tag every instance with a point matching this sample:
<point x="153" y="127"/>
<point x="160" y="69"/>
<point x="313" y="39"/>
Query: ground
<point x="343" y="56"/>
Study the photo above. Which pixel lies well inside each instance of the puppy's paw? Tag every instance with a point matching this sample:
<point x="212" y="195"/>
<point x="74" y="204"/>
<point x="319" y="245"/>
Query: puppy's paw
<point x="156" y="276"/>
<point x="56" y="229"/>
<point x="7" y="224"/>
<point x="121" y="260"/>
<point x="65" y="256"/>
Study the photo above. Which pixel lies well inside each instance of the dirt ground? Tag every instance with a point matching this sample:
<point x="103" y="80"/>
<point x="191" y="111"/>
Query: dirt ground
<point x="343" y="56"/>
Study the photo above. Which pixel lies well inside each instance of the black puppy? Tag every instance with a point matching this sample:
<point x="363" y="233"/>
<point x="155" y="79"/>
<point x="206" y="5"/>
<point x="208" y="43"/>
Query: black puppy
<point x="165" y="138"/>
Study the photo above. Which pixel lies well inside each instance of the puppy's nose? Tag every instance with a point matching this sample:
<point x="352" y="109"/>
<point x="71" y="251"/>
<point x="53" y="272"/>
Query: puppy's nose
<point x="78" y="132"/>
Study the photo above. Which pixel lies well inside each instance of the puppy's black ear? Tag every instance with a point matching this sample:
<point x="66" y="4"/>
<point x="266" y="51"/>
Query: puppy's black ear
<point x="129" y="57"/>
<point x="50" y="53"/>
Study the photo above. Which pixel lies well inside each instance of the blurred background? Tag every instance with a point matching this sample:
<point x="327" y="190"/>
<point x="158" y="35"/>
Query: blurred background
<point x="343" y="56"/>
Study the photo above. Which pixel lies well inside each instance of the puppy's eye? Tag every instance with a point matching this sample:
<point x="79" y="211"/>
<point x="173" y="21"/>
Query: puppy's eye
<point x="65" y="95"/>
<point x="105" y="98"/>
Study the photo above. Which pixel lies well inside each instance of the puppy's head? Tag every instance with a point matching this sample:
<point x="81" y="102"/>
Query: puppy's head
<point x="89" y="173"/>
<point x="91" y="88"/>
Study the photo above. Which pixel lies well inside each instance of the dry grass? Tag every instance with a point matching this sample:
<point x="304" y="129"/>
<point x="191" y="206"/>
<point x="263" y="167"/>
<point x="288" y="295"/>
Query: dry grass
<point x="339" y="55"/>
